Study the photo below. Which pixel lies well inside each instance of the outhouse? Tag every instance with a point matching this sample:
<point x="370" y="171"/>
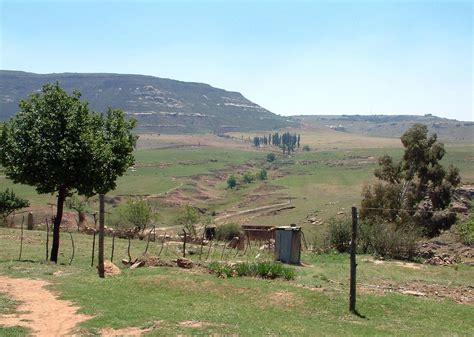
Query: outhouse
<point x="288" y="244"/>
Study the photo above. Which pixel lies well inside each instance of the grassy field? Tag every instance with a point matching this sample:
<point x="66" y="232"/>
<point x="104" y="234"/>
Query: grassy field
<point x="174" y="171"/>
<point x="165" y="299"/>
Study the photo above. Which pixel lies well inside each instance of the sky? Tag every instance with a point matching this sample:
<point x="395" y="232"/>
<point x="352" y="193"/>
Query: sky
<point x="291" y="57"/>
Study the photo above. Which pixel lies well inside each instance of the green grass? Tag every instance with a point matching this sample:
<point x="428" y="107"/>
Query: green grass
<point x="8" y="306"/>
<point x="326" y="181"/>
<point x="162" y="298"/>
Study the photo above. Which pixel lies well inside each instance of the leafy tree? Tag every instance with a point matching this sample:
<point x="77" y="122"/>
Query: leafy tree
<point x="271" y="157"/>
<point x="231" y="182"/>
<point x="418" y="189"/>
<point x="139" y="213"/>
<point x="58" y="145"/>
<point x="188" y="218"/>
<point x="10" y="202"/>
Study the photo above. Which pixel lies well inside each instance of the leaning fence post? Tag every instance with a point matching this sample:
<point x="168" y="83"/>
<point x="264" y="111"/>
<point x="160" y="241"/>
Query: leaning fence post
<point x="113" y="247"/>
<point x="352" y="294"/>
<point x="73" y="247"/>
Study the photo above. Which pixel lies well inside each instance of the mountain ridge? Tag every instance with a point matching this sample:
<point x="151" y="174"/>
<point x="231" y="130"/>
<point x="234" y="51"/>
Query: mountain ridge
<point x="159" y="104"/>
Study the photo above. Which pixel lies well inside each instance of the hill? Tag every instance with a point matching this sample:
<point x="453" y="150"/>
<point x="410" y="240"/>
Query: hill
<point x="159" y="105"/>
<point x="393" y="126"/>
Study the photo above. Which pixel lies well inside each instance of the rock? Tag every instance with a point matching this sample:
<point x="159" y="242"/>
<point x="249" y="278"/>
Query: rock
<point x="184" y="263"/>
<point x="413" y="292"/>
<point x="137" y="264"/>
<point x="459" y="208"/>
<point x="111" y="269"/>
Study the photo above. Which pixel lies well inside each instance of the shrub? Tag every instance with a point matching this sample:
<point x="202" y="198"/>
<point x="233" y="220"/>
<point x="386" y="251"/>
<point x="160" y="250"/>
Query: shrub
<point x="466" y="231"/>
<point x="10" y="202"/>
<point x="231" y="182"/>
<point x="248" y="177"/>
<point x="188" y="218"/>
<point x="306" y="148"/>
<point x="262" y="175"/>
<point x="138" y="212"/>
<point x="227" y="231"/>
<point x="340" y="234"/>
<point x="388" y="240"/>
<point x="265" y="269"/>
<point x="271" y="157"/>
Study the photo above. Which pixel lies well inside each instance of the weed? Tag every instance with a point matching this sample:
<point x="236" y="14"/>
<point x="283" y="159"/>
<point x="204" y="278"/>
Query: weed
<point x="265" y="269"/>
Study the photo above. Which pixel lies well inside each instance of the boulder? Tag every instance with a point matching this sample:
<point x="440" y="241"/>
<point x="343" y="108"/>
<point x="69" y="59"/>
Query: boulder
<point x="184" y="263"/>
<point x="111" y="269"/>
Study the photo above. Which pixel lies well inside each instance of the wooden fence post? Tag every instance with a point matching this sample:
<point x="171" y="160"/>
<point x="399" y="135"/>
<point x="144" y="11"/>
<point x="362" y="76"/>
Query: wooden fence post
<point x="352" y="294"/>
<point x="47" y="239"/>
<point x="113" y="248"/>
<point x="184" y="244"/>
<point x="93" y="250"/>
<point x="101" y="269"/>
<point x="21" y="237"/>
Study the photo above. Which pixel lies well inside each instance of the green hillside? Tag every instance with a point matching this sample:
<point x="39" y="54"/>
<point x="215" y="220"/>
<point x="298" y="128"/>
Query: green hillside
<point x="159" y="105"/>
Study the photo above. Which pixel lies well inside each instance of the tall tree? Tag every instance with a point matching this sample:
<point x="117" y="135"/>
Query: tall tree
<point x="58" y="145"/>
<point x="418" y="189"/>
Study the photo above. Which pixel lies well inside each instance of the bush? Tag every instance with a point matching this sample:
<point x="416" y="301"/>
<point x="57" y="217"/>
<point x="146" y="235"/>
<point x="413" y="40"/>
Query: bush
<point x="466" y="231"/>
<point x="248" y="177"/>
<point x="262" y="175"/>
<point x="306" y="148"/>
<point x="138" y="212"/>
<point x="231" y="182"/>
<point x="266" y="270"/>
<point x="188" y="218"/>
<point x="10" y="202"/>
<point x="227" y="231"/>
<point x="340" y="234"/>
<point x="271" y="157"/>
<point x="388" y="240"/>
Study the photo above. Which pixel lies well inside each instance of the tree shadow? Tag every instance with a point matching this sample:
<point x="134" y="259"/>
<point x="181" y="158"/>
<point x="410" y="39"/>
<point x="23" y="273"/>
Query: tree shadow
<point x="358" y="314"/>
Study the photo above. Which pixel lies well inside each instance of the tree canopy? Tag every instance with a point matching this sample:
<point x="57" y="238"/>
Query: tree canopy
<point x="57" y="144"/>
<point x="416" y="190"/>
<point x="10" y="202"/>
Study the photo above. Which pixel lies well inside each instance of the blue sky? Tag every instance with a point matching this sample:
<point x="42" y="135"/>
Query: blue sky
<point x="292" y="57"/>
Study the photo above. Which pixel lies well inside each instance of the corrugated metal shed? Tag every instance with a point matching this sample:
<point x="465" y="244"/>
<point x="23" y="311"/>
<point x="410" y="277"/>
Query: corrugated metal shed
<point x="288" y="244"/>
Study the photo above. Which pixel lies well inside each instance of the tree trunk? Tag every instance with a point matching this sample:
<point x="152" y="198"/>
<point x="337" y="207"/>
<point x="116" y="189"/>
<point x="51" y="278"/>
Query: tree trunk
<point x="101" y="236"/>
<point x="57" y="223"/>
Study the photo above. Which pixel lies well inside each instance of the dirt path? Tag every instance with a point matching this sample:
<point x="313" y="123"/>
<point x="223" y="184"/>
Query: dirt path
<point x="253" y="210"/>
<point x="40" y="310"/>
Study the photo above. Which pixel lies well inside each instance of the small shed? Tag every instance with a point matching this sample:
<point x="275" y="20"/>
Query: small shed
<point x="288" y="244"/>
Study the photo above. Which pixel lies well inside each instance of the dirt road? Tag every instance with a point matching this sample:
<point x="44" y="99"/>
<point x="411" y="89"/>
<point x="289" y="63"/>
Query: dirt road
<point x="40" y="310"/>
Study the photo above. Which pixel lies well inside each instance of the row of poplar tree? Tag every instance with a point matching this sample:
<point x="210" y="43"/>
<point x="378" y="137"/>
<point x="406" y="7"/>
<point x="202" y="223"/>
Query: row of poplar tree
<point x="286" y="141"/>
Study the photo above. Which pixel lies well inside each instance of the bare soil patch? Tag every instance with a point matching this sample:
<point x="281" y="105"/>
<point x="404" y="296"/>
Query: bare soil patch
<point x="463" y="295"/>
<point x="40" y="310"/>
<point x="131" y="331"/>
<point x="285" y="298"/>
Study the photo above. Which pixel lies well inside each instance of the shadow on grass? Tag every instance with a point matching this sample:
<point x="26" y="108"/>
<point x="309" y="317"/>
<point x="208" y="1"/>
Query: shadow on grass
<point x="358" y="314"/>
